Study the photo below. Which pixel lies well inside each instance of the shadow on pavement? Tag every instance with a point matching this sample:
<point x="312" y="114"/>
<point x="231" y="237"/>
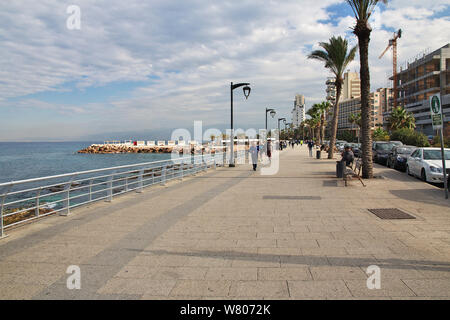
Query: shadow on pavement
<point x="314" y="260"/>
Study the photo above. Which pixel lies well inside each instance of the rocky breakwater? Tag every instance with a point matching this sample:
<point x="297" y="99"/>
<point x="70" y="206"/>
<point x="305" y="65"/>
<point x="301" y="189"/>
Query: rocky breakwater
<point x="114" y="148"/>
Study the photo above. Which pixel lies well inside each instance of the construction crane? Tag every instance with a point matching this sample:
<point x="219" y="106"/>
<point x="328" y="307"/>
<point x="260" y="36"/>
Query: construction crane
<point x="393" y="44"/>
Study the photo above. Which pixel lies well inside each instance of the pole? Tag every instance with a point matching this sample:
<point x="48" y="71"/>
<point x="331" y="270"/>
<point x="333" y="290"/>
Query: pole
<point x="444" y="169"/>
<point x="232" y="133"/>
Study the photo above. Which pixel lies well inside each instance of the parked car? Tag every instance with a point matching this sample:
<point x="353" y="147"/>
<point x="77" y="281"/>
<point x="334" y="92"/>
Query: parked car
<point x="426" y="163"/>
<point x="356" y="147"/>
<point x="381" y="150"/>
<point x="399" y="156"/>
<point x="397" y="143"/>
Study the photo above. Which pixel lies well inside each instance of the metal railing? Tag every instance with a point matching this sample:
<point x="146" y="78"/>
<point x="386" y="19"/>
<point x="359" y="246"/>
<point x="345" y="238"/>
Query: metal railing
<point x="26" y="200"/>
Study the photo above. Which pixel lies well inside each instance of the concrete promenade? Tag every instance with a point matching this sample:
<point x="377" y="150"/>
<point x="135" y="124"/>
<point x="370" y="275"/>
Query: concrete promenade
<point x="224" y="234"/>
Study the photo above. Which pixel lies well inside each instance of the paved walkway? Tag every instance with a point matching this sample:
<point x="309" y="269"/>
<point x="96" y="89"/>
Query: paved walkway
<point x="219" y="235"/>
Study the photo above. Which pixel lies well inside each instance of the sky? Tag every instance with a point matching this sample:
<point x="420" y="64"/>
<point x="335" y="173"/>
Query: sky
<point x="139" y="67"/>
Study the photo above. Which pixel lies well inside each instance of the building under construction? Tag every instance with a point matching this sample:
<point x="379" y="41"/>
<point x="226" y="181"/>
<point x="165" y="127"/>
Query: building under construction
<point x="427" y="75"/>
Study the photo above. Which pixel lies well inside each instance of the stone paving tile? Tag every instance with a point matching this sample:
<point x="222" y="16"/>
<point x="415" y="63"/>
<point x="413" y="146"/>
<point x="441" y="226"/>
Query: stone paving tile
<point x="337" y="273"/>
<point x="233" y="273"/>
<point x="256" y="288"/>
<point x="176" y="273"/>
<point x="389" y="288"/>
<point x="211" y="288"/>
<point x="295" y="273"/>
<point x="318" y="289"/>
<point x="429" y="287"/>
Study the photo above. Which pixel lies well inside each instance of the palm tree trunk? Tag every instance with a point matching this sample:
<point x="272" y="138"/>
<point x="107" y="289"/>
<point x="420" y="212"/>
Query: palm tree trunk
<point x="366" y="137"/>
<point x="334" y="122"/>
<point x="322" y="128"/>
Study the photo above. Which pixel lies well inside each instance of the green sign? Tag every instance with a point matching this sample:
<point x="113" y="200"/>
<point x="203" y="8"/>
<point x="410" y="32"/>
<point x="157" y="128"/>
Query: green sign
<point x="436" y="111"/>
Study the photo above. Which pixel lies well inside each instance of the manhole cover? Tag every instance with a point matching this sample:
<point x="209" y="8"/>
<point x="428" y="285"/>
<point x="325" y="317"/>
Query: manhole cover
<point x="391" y="213"/>
<point x="291" y="198"/>
<point x="330" y="183"/>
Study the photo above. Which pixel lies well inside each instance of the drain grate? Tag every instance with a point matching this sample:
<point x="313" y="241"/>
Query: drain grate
<point x="391" y="213"/>
<point x="330" y="183"/>
<point x="291" y="198"/>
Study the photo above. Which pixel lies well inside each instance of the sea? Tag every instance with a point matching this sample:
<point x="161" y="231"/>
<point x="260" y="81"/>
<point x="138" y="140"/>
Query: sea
<point x="26" y="160"/>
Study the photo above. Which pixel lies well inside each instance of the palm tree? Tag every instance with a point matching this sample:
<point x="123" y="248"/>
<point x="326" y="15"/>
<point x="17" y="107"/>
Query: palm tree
<point x="362" y="10"/>
<point x="355" y="119"/>
<point x="323" y="108"/>
<point x="400" y="118"/>
<point x="336" y="57"/>
<point x="314" y="113"/>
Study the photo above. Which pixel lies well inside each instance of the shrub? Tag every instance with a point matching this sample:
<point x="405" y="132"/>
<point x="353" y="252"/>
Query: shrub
<point x="410" y="137"/>
<point x="437" y="142"/>
<point x="380" y="135"/>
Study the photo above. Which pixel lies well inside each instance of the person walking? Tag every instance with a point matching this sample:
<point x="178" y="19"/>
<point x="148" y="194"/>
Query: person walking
<point x="310" y="147"/>
<point x="269" y="150"/>
<point x="254" y="153"/>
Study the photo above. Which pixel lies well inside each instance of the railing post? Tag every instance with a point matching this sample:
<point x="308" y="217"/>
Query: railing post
<point x="90" y="189"/>
<point x="182" y="170"/>
<point x="2" y="206"/>
<point x="140" y="185"/>
<point x="163" y="175"/>
<point x="109" y="185"/>
<point x="66" y="201"/>
<point x="38" y="195"/>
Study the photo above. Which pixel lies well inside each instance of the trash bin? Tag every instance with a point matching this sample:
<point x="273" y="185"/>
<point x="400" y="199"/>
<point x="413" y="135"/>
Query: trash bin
<point x="340" y="167"/>
<point x="318" y="154"/>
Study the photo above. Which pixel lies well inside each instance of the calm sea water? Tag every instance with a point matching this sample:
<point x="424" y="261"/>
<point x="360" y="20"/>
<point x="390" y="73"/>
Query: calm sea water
<point x="25" y="160"/>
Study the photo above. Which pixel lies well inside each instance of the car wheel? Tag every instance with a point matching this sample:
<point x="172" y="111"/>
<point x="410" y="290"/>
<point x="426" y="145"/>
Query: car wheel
<point x="388" y="164"/>
<point x="423" y="175"/>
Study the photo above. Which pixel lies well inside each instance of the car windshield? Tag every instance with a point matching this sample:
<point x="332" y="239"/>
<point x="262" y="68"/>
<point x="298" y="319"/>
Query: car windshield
<point x="384" y="146"/>
<point x="405" y="150"/>
<point x="435" y="155"/>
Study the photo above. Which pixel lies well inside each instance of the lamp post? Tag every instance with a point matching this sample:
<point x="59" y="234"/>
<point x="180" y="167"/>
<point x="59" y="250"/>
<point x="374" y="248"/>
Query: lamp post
<point x="246" y="90"/>
<point x="272" y="114"/>
<point x="279" y="133"/>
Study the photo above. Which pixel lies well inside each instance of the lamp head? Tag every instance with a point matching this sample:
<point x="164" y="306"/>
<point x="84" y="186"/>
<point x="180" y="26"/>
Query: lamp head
<point x="246" y="90"/>
<point x="273" y="113"/>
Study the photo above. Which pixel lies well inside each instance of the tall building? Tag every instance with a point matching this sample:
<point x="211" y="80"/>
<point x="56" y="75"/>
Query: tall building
<point x="298" y="112"/>
<point x="427" y="75"/>
<point x="353" y="106"/>
<point x="352" y="86"/>
<point x="331" y="90"/>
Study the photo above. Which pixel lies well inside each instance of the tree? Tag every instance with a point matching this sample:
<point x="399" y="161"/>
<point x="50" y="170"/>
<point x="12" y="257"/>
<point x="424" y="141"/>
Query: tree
<point x="379" y="134"/>
<point x="314" y="122"/>
<point x="336" y="57"/>
<point x="362" y="10"/>
<point x="400" y="118"/>
<point x="322" y="109"/>
<point x="355" y="119"/>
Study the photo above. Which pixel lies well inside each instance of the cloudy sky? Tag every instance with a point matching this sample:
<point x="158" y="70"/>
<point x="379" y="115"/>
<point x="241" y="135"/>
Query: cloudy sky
<point x="147" y="65"/>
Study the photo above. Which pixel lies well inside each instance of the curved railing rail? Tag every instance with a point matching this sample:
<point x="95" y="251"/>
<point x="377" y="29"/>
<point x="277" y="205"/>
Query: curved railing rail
<point x="26" y="200"/>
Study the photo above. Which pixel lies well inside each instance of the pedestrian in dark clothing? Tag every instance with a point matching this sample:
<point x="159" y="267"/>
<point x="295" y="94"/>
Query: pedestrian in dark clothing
<point x="254" y="153"/>
<point x="310" y="147"/>
<point x="348" y="156"/>
<point x="269" y="150"/>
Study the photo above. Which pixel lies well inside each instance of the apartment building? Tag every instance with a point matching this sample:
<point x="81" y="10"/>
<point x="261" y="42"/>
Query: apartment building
<point x="425" y="76"/>
<point x="377" y="102"/>
<point x="298" y="112"/>
<point x="331" y="90"/>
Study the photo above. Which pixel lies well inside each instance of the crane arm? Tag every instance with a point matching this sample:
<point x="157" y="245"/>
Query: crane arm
<point x="384" y="52"/>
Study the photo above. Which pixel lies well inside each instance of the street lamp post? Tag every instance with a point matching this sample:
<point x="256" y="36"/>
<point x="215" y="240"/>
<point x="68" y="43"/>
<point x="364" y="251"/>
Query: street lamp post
<point x="279" y="133"/>
<point x="246" y="90"/>
<point x="272" y="114"/>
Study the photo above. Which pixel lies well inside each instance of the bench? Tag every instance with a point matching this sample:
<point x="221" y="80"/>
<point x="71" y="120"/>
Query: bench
<point x="354" y="172"/>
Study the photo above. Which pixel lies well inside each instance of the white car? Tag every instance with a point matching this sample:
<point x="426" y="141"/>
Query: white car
<point x="426" y="163"/>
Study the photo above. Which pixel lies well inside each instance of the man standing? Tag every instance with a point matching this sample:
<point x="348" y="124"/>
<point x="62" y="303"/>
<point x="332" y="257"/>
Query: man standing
<point x="254" y="153"/>
<point x="310" y="147"/>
